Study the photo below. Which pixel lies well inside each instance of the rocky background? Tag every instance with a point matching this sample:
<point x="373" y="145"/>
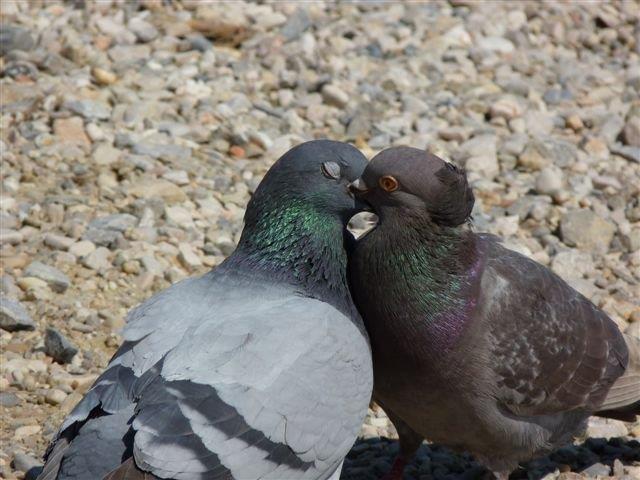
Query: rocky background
<point x="134" y="132"/>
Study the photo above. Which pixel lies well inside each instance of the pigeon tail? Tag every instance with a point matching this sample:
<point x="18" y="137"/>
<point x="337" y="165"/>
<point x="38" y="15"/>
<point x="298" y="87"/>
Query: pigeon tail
<point x="623" y="399"/>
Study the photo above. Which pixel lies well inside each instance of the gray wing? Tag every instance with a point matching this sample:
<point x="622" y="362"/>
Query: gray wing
<point x="279" y="392"/>
<point x="275" y="387"/>
<point x="553" y="350"/>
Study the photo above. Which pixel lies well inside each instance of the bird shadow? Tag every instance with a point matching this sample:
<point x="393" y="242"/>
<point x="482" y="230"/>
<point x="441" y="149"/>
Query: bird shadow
<point x="370" y="459"/>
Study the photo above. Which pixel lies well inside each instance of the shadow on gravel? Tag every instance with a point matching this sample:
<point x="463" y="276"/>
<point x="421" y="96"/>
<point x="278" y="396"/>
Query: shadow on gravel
<point x="370" y="459"/>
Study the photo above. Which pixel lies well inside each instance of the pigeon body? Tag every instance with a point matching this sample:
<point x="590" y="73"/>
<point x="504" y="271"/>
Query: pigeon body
<point x="259" y="369"/>
<point x="475" y="346"/>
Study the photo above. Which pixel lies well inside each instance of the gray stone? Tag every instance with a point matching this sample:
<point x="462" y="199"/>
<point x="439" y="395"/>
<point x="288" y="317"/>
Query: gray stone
<point x="13" y="316"/>
<point x="90" y="109"/>
<point x="549" y="181"/>
<point x="626" y="151"/>
<point x="23" y="462"/>
<point x="104" y="238"/>
<point x="98" y="259"/>
<point x="145" y="31"/>
<point x="58" y="347"/>
<point x="117" y="221"/>
<point x="586" y="230"/>
<point x="334" y="95"/>
<point x="572" y="264"/>
<point x="105" y="154"/>
<point x="631" y="132"/>
<point x="13" y="37"/>
<point x="57" y="281"/>
<point x="9" y="399"/>
<point x="296" y="24"/>
<point x="597" y="470"/>
<point x="163" y="152"/>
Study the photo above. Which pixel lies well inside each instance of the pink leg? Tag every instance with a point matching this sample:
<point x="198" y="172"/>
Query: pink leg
<point x="396" y="469"/>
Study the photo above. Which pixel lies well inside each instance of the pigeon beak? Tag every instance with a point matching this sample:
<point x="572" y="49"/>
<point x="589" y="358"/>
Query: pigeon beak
<point x="358" y="187"/>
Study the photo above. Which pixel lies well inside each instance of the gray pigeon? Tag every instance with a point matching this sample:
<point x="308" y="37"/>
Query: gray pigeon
<point x="476" y="346"/>
<point x="260" y="369"/>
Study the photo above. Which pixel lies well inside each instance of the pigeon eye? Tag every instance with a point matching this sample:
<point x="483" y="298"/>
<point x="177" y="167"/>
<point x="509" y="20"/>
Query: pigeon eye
<point x="331" y="170"/>
<point x="388" y="183"/>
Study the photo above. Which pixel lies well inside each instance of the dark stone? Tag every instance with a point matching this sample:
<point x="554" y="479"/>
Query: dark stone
<point x="58" y="347"/>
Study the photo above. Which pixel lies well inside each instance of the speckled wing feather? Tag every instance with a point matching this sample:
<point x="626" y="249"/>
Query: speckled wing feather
<point x="553" y="349"/>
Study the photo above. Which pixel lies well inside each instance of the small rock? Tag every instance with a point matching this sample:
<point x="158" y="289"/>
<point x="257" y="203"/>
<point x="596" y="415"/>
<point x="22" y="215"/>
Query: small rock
<point x="9" y="399"/>
<point x="82" y="248"/>
<point x="296" y="24"/>
<point x="71" y="130"/>
<point x="496" y="44"/>
<point x="333" y="95"/>
<point x="59" y="242"/>
<point x="631" y="131"/>
<point x="178" y="216"/>
<point x="549" y="181"/>
<point x="118" y="222"/>
<point x="26" y="431"/>
<point x="13" y="316"/>
<point x="142" y="29"/>
<point x="187" y="256"/>
<point x="57" y="280"/>
<point x="158" y="188"/>
<point x="12" y="237"/>
<point x="105" y="154"/>
<point x="586" y="230"/>
<point x="572" y="264"/>
<point x="104" y="77"/>
<point x="58" y="347"/>
<point x="55" y="396"/>
<point x="13" y="37"/>
<point x="506" y="107"/>
<point x="98" y="259"/>
<point x="24" y="463"/>
<point x="605" y="428"/>
<point x="574" y="122"/>
<point x="535" y="156"/>
<point x="90" y="109"/>
<point x="167" y="153"/>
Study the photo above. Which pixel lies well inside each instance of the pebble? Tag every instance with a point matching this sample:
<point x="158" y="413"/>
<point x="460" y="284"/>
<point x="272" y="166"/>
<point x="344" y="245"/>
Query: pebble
<point x="549" y="181"/>
<point x="13" y="316"/>
<point x="55" y="396"/>
<point x="187" y="256"/>
<point x="89" y="109"/>
<point x="98" y="259"/>
<point x="24" y="463"/>
<point x="57" y="281"/>
<point x="58" y="242"/>
<point x="26" y="431"/>
<point x="71" y="130"/>
<point x="105" y="154"/>
<point x="159" y="188"/>
<point x="58" y="347"/>
<point x="14" y="37"/>
<point x="586" y="230"/>
<point x="82" y="248"/>
<point x="333" y="95"/>
<point x="104" y="77"/>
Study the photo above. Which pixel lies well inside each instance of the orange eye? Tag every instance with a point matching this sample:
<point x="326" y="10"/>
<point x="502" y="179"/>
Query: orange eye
<point x="388" y="183"/>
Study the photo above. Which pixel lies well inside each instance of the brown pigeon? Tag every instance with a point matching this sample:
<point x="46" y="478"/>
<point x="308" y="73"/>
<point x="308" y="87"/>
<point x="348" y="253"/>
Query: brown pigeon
<point x="474" y="345"/>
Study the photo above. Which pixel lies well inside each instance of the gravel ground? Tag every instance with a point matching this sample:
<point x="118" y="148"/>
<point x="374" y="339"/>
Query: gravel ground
<point x="133" y="133"/>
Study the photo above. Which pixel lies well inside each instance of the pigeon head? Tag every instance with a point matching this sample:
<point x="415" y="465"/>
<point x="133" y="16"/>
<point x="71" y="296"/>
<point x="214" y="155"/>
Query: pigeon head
<point x="315" y="176"/>
<point x="410" y="178"/>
